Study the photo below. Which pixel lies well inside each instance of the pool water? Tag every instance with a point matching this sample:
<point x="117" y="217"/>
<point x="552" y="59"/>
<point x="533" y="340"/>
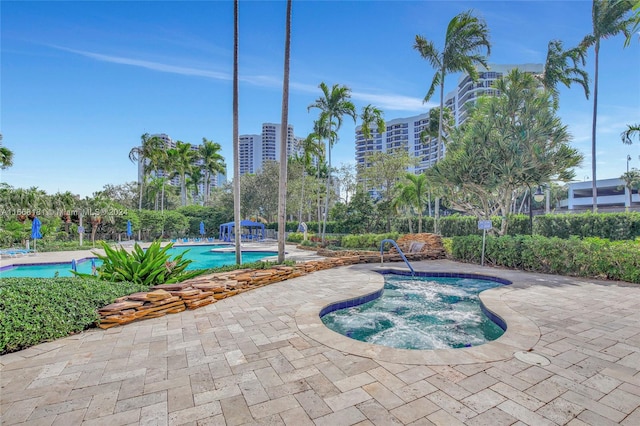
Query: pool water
<point x="202" y="257"/>
<point x="420" y="313"/>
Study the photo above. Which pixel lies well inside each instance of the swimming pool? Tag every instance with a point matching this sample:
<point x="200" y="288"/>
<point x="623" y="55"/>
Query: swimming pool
<point x="201" y="255"/>
<point x="423" y="312"/>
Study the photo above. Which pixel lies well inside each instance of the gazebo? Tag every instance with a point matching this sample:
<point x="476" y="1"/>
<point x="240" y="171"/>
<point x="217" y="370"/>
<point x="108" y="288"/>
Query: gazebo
<point x="255" y="231"/>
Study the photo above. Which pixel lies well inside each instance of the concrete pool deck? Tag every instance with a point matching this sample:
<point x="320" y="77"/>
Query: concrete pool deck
<point x="67" y="256"/>
<point x="260" y="358"/>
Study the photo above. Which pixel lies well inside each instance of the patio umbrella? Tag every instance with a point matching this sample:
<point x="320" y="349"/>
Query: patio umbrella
<point x="74" y="265"/>
<point x="129" y="232"/>
<point x="202" y="228"/>
<point x="35" y="231"/>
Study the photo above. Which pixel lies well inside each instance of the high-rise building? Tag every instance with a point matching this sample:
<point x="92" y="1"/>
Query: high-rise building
<point x="405" y="133"/>
<point x="255" y="150"/>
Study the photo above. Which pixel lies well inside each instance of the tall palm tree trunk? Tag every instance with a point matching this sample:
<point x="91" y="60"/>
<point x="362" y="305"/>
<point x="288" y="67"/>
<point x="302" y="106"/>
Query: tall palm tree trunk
<point x="436" y="227"/>
<point x="326" y="200"/>
<point x="304" y="173"/>
<point x="594" y="188"/>
<point x="318" y="201"/>
<point x="282" y="181"/>
<point x="236" y="142"/>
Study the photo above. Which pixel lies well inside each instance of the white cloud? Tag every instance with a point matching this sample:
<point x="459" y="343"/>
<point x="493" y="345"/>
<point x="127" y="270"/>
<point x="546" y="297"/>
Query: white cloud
<point x="394" y="102"/>
<point x="155" y="66"/>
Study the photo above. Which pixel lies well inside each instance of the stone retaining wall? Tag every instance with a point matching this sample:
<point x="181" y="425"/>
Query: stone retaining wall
<point x="206" y="289"/>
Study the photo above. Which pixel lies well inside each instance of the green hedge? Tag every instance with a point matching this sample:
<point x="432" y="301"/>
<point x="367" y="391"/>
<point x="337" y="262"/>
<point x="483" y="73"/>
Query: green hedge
<point x="35" y="310"/>
<point x="367" y="241"/>
<point x="613" y="226"/>
<point x="589" y="257"/>
<point x="458" y="225"/>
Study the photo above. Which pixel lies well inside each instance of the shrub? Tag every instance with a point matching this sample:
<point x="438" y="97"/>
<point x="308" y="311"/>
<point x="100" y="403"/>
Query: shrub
<point x="367" y="241"/>
<point x="591" y="257"/>
<point x="295" y="237"/>
<point x="152" y="266"/>
<point x="36" y="310"/>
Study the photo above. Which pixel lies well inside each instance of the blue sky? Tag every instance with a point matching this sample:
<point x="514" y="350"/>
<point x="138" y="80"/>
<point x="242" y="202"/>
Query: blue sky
<point x="82" y="81"/>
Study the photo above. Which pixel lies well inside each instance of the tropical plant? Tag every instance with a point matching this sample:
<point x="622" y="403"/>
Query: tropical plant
<point x="384" y="171"/>
<point x="465" y="39"/>
<point x="371" y="116"/>
<point x="282" y="181"/>
<point x="180" y="159"/>
<point x="196" y="177"/>
<point x="563" y="66"/>
<point x="631" y="131"/>
<point x="636" y="26"/>
<point x="333" y="104"/>
<point x="631" y="181"/>
<point x="510" y="141"/>
<point x="6" y="157"/>
<point x="212" y="163"/>
<point x="433" y="126"/>
<point x="311" y="149"/>
<point x="414" y="191"/>
<point x="403" y="203"/>
<point x="141" y="154"/>
<point x="609" y="18"/>
<point x="149" y="267"/>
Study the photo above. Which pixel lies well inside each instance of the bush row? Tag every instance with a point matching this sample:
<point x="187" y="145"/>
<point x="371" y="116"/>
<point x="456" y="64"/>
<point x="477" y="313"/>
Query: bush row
<point x="589" y="257"/>
<point x="35" y="310"/>
<point x="367" y="241"/>
<point x="613" y="226"/>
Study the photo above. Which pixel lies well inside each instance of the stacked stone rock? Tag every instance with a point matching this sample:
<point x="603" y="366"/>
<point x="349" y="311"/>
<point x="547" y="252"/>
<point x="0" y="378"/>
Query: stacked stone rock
<point x="421" y="246"/>
<point x="204" y="290"/>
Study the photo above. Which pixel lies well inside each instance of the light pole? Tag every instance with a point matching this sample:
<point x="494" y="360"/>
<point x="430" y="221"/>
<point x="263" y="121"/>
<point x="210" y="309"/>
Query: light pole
<point x="628" y="159"/>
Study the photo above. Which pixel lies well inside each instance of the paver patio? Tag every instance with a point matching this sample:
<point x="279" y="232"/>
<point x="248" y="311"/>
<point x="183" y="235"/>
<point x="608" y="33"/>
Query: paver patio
<point x="262" y="357"/>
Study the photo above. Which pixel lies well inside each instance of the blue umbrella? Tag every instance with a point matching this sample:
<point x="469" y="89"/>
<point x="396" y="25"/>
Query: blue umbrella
<point x="202" y="228"/>
<point x="129" y="232"/>
<point x="35" y="231"/>
<point x="74" y="265"/>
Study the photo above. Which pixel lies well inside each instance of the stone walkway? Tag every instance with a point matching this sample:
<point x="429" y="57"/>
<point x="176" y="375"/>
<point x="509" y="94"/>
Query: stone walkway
<point x="261" y="357"/>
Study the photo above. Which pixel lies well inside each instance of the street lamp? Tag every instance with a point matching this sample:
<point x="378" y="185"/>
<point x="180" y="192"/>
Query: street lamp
<point x="628" y="159"/>
<point x="539" y="195"/>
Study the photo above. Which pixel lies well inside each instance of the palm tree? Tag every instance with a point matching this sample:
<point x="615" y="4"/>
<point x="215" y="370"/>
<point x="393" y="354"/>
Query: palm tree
<point x="334" y="104"/>
<point x="631" y="181"/>
<point x="415" y="191"/>
<point x="180" y="160"/>
<point x="632" y="130"/>
<point x="636" y="26"/>
<point x="403" y="203"/>
<point x="563" y="66"/>
<point x="311" y="148"/>
<point x="138" y="155"/>
<point x="609" y="18"/>
<point x="371" y="115"/>
<point x="196" y="177"/>
<point x="236" y="139"/>
<point x="282" y="180"/>
<point x="465" y="38"/>
<point x="212" y="162"/>
<point x="6" y="157"/>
